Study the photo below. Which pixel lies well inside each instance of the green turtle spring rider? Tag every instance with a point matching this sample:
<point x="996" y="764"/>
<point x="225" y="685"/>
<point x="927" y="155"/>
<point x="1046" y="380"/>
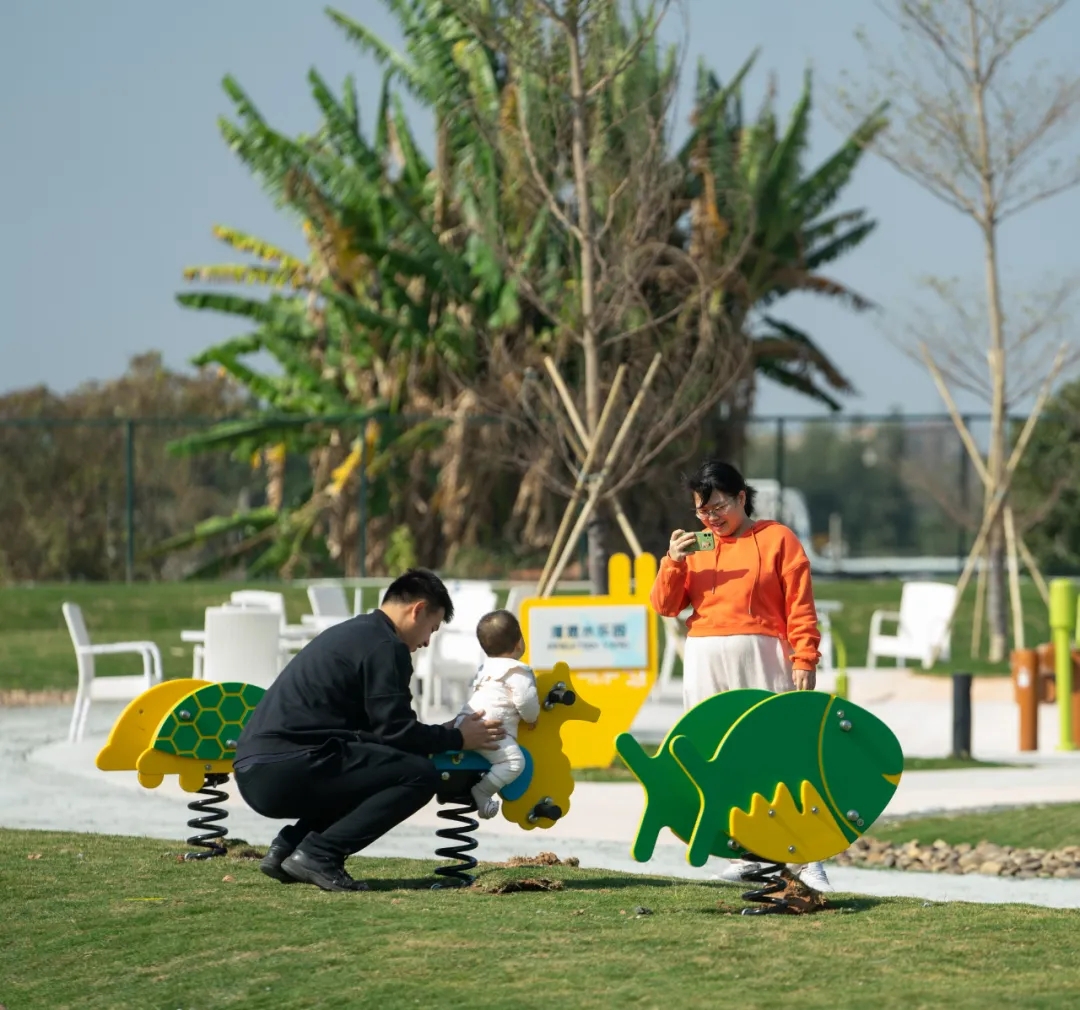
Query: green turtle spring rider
<point x="771" y="778"/>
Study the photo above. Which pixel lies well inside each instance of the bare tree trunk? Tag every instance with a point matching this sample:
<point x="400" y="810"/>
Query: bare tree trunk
<point x="996" y="620"/>
<point x="996" y="613"/>
<point x="597" y="528"/>
<point x="598" y="552"/>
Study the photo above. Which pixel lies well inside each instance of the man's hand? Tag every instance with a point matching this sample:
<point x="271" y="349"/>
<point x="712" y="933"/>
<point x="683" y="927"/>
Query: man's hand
<point x="532" y="725"/>
<point x="805" y="680"/>
<point x="478" y="733"/>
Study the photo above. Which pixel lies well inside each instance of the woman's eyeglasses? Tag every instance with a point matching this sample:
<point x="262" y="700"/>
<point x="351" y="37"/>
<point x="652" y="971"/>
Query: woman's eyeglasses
<point x="715" y="511"/>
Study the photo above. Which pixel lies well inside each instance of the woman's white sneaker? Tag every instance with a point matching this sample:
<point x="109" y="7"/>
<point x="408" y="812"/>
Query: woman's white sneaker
<point x="813" y="875"/>
<point x="738" y="871"/>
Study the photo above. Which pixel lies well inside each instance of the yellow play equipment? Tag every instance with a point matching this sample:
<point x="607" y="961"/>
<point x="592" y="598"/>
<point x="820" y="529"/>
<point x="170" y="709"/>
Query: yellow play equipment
<point x="186" y="728"/>
<point x="190" y="728"/>
<point x="539" y="796"/>
<point x="614" y="671"/>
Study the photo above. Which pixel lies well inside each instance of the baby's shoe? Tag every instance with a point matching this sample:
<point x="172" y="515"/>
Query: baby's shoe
<point x="486" y="806"/>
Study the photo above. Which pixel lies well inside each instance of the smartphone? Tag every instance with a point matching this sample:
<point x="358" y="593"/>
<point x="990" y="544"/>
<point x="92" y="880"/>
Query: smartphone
<point x="704" y="541"/>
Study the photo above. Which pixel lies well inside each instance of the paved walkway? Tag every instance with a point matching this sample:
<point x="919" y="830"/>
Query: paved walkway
<point x="49" y="784"/>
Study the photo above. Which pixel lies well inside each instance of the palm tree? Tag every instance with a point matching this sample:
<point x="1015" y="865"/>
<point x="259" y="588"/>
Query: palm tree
<point x="747" y="188"/>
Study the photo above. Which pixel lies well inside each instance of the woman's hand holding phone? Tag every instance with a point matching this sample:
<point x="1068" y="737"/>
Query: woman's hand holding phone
<point x="681" y="545"/>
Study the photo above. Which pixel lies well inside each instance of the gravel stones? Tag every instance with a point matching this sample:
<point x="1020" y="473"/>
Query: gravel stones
<point x="985" y="858"/>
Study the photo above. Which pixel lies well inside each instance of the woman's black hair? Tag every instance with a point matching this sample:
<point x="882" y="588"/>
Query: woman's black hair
<point x="716" y="475"/>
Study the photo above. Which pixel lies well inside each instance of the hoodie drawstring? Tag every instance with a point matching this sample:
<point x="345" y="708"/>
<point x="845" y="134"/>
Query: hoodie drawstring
<point x="757" y="574"/>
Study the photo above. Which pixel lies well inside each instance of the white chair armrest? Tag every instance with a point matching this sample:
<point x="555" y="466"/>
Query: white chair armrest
<point x="157" y="671"/>
<point x="878" y="616"/>
<point x="116" y="648"/>
<point x="150" y="653"/>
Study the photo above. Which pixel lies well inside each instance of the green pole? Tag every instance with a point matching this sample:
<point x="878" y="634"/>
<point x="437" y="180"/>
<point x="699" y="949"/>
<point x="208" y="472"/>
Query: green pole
<point x="129" y="504"/>
<point x="1062" y="622"/>
<point x="842" y="685"/>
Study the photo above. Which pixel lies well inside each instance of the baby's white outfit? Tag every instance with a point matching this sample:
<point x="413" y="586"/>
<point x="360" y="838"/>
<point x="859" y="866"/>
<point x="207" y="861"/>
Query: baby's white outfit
<point x="504" y="689"/>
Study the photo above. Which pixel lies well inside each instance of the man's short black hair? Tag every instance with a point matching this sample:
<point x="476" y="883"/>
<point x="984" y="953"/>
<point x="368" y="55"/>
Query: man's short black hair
<point x="420" y="584"/>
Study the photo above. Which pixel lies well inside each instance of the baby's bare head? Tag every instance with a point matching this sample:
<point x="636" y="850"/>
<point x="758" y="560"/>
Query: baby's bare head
<point x="500" y="635"/>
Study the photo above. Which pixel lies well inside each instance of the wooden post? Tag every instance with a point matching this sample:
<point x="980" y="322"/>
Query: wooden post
<point x="1025" y="676"/>
<point x="977" y="616"/>
<point x="597" y="482"/>
<point x="976" y="457"/>
<point x="1033" y="571"/>
<point x="579" y="427"/>
<point x="1001" y="493"/>
<point x="583" y="475"/>
<point x="1014" y="580"/>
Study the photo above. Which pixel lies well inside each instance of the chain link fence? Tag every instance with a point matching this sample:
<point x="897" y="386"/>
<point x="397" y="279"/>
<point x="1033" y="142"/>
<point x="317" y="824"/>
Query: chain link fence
<point x="92" y="499"/>
<point x="870" y="487"/>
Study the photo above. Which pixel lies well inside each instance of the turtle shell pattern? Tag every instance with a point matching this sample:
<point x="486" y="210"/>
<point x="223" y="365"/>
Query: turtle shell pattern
<point x="206" y="724"/>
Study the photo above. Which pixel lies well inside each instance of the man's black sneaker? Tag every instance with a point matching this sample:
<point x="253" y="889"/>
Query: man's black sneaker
<point x="320" y="872"/>
<point x="271" y="863"/>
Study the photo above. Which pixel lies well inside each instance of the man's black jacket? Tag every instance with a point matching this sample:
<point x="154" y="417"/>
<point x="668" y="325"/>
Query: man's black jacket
<point x="350" y="683"/>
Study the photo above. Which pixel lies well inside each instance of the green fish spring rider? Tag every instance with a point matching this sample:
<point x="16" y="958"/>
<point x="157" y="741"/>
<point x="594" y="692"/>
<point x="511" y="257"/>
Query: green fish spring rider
<point x="774" y="778"/>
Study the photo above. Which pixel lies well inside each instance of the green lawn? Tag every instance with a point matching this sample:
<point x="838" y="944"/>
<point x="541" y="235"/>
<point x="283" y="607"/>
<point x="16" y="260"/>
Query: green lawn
<point x="98" y="922"/>
<point x="618" y="772"/>
<point x="1044" y="827"/>
<point x="36" y="653"/>
<point x="943" y="764"/>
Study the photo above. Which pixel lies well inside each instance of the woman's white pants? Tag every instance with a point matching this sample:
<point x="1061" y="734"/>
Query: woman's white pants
<point x="715" y="663"/>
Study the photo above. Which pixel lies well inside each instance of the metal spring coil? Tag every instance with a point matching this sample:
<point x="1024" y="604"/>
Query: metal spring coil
<point x="210" y="814"/>
<point x="457" y="875"/>
<point x="769" y="875"/>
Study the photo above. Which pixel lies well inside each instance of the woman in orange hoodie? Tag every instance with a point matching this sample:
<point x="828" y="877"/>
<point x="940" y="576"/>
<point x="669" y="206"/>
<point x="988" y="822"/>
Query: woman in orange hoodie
<point x="753" y="623"/>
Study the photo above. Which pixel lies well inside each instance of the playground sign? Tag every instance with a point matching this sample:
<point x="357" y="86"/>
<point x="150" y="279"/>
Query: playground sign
<point x="601" y="638"/>
<point x="610" y="645"/>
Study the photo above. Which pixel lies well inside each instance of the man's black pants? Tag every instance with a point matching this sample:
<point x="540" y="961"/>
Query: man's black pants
<point x="344" y="795"/>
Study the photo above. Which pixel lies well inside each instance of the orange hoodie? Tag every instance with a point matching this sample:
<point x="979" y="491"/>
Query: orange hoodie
<point x="756" y="584"/>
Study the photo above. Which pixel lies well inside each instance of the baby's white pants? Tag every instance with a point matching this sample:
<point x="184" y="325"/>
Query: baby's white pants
<point x="507" y="763"/>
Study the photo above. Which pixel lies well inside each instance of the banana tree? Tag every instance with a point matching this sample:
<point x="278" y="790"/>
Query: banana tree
<point x="357" y="328"/>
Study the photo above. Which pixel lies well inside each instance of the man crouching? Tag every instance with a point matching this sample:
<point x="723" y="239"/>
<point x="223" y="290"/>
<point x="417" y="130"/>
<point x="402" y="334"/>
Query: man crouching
<point x="335" y="744"/>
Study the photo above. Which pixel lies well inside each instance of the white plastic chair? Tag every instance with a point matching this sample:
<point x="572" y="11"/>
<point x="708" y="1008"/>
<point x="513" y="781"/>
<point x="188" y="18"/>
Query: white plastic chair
<point x="329" y="606"/>
<point x="293" y="636"/>
<point x="242" y="645"/>
<point x="921" y="619"/>
<point x="328" y="601"/>
<point x="454" y="655"/>
<point x="260" y="599"/>
<point x="517" y="596"/>
<point x="122" y="687"/>
<point x="358" y="599"/>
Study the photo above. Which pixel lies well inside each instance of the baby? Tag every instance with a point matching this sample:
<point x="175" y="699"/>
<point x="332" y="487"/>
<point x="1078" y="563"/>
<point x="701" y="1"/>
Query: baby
<point x="505" y="689"/>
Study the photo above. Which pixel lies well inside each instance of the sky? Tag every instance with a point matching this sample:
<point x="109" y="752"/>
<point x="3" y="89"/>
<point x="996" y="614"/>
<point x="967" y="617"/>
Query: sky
<point x="114" y="173"/>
